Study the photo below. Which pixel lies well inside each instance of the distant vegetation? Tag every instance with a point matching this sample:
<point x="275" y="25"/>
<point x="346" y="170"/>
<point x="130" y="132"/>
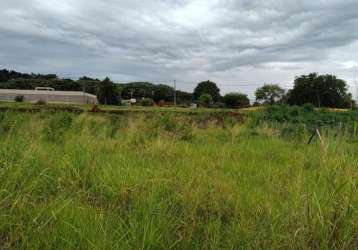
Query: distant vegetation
<point x="306" y="118"/>
<point x="236" y="100"/>
<point x="319" y="90"/>
<point x="106" y="90"/>
<point x="270" y="94"/>
<point x="208" y="88"/>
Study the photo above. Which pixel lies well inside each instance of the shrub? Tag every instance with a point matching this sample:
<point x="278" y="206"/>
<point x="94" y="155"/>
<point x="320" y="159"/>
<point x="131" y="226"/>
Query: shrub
<point x="236" y="100"/>
<point x="308" y="107"/>
<point x="147" y="102"/>
<point x="95" y="108"/>
<point x="277" y="113"/>
<point x="167" y="123"/>
<point x="19" y="98"/>
<point x="161" y="103"/>
<point x="209" y="88"/>
<point x="41" y="102"/>
<point x="205" y="100"/>
<point x="294" y="111"/>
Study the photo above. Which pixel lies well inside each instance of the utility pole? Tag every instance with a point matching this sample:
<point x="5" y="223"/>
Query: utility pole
<point x="175" y="93"/>
<point x="356" y="83"/>
<point x="84" y="92"/>
<point x="131" y="94"/>
<point x="318" y="99"/>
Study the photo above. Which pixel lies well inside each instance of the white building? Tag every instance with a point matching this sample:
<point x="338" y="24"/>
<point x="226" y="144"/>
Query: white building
<point x="48" y="95"/>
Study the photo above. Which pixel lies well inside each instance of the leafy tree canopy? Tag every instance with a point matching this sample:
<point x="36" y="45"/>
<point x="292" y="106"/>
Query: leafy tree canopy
<point x="236" y="100"/>
<point x="207" y="87"/>
<point x="138" y="90"/>
<point x="107" y="92"/>
<point x="160" y="92"/>
<point x="320" y="90"/>
<point x="269" y="94"/>
<point x="184" y="97"/>
<point x="163" y="92"/>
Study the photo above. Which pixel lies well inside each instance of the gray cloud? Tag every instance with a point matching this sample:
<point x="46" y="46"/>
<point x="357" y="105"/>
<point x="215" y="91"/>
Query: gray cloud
<point x="190" y="40"/>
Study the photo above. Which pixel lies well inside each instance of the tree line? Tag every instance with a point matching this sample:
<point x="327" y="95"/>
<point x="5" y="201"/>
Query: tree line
<point x="319" y="90"/>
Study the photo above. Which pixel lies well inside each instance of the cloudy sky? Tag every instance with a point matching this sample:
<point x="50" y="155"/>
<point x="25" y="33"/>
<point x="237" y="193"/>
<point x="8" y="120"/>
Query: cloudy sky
<point x="240" y="44"/>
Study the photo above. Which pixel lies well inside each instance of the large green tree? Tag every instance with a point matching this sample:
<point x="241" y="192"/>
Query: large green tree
<point x="163" y="92"/>
<point x="236" y="100"/>
<point x="138" y="90"/>
<point x="89" y="85"/>
<point x="184" y="97"/>
<point x="320" y="90"/>
<point x="108" y="93"/>
<point x="269" y="94"/>
<point x="207" y="87"/>
<point x="160" y="92"/>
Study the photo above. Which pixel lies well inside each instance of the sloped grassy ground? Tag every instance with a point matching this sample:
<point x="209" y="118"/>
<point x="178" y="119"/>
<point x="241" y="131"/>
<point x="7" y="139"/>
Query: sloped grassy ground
<point x="171" y="181"/>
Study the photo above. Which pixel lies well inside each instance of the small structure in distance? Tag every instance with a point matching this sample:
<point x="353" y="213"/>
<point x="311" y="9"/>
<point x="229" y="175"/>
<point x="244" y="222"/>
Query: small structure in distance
<point x="48" y="95"/>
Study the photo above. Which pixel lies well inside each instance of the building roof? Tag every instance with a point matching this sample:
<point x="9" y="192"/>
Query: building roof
<point x="44" y="92"/>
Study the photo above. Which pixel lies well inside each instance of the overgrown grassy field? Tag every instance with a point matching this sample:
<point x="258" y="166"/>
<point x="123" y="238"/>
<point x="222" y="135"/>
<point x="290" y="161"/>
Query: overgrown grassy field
<point x="176" y="181"/>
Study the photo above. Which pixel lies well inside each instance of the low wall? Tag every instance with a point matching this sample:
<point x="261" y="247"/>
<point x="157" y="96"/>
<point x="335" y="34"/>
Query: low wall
<point x="80" y="98"/>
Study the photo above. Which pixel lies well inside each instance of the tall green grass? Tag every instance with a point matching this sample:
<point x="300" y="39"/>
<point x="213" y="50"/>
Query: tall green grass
<point x="173" y="181"/>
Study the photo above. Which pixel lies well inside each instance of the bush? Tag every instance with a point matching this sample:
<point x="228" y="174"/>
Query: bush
<point x="294" y="111"/>
<point x="147" y="102"/>
<point x="205" y="100"/>
<point x="236" y="100"/>
<point x="19" y="98"/>
<point x="41" y="102"/>
<point x="308" y="107"/>
<point x="209" y="88"/>
<point x="161" y="103"/>
<point x="95" y="108"/>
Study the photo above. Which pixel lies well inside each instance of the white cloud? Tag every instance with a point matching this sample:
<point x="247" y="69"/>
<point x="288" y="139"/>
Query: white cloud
<point x="253" y="41"/>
